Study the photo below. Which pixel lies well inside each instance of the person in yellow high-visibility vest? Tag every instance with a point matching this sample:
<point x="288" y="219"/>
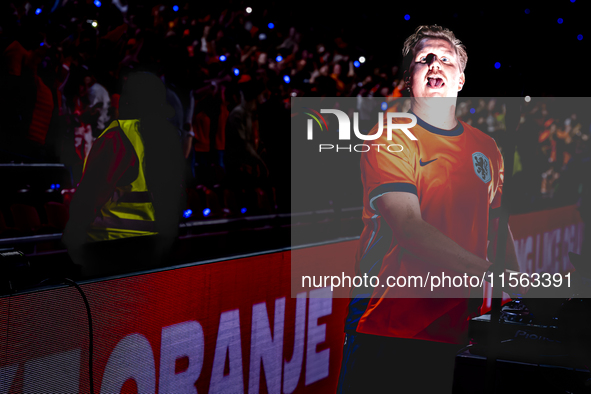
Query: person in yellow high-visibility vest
<point x="129" y="212"/>
<point x="125" y="212"/>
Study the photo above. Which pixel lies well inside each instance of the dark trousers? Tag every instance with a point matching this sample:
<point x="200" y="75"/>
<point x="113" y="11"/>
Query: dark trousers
<point x="376" y="364"/>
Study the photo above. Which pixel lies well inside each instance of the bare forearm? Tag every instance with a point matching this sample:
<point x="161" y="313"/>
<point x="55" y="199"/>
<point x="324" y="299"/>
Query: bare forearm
<point x="187" y="144"/>
<point x="429" y="244"/>
<point x="401" y="210"/>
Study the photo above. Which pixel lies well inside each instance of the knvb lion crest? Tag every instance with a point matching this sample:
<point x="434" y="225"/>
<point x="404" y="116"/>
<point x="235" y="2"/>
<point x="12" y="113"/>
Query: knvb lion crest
<point x="481" y="166"/>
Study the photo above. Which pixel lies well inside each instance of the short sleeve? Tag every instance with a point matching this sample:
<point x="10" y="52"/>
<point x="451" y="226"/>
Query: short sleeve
<point x="496" y="203"/>
<point x="389" y="166"/>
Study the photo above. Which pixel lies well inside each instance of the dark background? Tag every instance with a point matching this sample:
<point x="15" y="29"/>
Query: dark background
<point x="538" y="56"/>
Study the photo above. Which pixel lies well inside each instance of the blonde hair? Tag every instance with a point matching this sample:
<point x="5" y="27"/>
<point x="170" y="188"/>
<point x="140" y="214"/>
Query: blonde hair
<point x="433" y="31"/>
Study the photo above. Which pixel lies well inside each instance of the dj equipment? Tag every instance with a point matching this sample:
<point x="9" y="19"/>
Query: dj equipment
<point x="544" y="345"/>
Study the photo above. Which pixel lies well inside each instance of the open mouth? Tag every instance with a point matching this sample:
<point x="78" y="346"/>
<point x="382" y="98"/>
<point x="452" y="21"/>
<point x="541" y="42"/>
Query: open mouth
<point x="435" y="83"/>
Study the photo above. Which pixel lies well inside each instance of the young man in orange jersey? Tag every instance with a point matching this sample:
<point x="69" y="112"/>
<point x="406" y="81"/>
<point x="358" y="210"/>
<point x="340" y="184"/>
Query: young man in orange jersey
<point x="426" y="211"/>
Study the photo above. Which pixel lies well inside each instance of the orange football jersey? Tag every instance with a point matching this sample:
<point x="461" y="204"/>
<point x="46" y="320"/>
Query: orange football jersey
<point x="457" y="175"/>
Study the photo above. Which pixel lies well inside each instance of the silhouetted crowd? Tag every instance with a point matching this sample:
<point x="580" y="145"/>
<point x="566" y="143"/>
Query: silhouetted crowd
<point x="552" y="157"/>
<point x="230" y="72"/>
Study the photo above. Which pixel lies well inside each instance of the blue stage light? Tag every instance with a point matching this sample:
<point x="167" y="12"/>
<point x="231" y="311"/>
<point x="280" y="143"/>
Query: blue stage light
<point x="560" y="20"/>
<point x="406" y="17"/>
<point x="57" y="185"/>
<point x="52" y="186"/>
<point x="472" y="110"/>
<point x="580" y="37"/>
<point x="187" y="213"/>
<point x="286" y="78"/>
<point x="497" y="65"/>
<point x="37" y="11"/>
<point x="271" y="25"/>
<point x="356" y="63"/>
<point x="175" y="8"/>
<point x="222" y="58"/>
<point x="278" y="58"/>
<point x="527" y="11"/>
<point x="97" y="3"/>
<point x="236" y="71"/>
<point x="206" y="211"/>
<point x="384" y="106"/>
<point x="243" y="210"/>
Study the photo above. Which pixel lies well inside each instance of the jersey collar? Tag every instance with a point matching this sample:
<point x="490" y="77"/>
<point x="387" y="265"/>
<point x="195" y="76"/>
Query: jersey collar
<point x="458" y="130"/>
